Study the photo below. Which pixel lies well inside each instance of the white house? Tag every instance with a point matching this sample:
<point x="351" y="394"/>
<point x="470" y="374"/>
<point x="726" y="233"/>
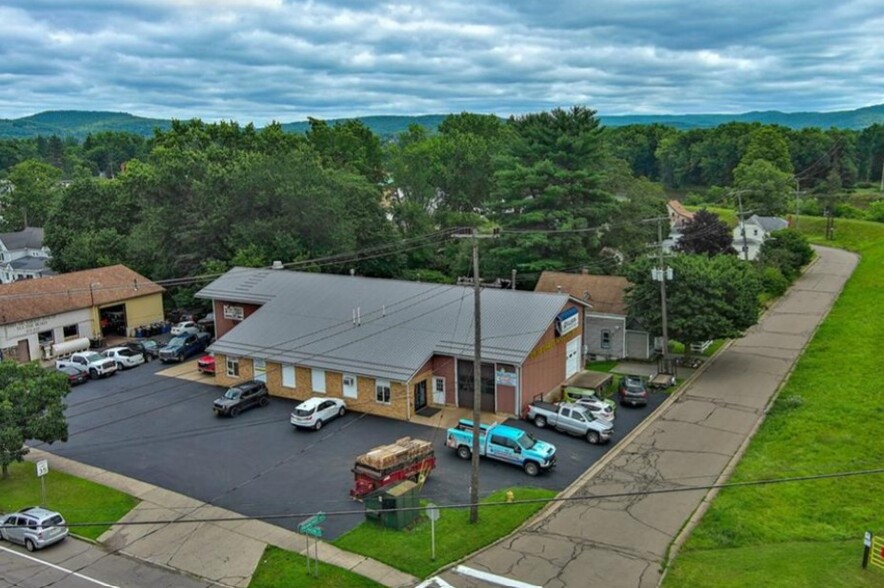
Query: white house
<point x="23" y="255"/>
<point x="757" y="230"/>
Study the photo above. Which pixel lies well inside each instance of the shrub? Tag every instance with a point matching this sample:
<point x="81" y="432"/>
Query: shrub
<point x="848" y="211"/>
<point x="773" y="281"/>
<point x="786" y="250"/>
<point x="875" y="211"/>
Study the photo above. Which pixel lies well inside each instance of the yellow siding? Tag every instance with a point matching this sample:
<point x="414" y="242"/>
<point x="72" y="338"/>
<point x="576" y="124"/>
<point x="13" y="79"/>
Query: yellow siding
<point x="143" y="310"/>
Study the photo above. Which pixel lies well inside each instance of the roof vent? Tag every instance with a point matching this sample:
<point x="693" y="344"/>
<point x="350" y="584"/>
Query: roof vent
<point x="277" y="265"/>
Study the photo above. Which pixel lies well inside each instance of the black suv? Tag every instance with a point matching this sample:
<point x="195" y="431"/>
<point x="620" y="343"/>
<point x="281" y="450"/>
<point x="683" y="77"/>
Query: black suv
<point x="632" y="391"/>
<point x="241" y="397"/>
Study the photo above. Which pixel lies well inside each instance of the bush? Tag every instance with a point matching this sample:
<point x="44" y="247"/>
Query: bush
<point x="773" y="281"/>
<point x="875" y="211"/>
<point x="694" y="199"/>
<point x="811" y="207"/>
<point x="848" y="211"/>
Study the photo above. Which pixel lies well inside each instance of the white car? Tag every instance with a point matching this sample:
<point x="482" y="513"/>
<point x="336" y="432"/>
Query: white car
<point x="597" y="407"/>
<point x="124" y="357"/>
<point x="316" y="411"/>
<point x="184" y="327"/>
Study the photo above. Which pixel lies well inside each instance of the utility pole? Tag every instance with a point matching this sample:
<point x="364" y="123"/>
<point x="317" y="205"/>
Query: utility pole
<point x="743" y="227"/>
<point x="662" y="273"/>
<point x="797" y="201"/>
<point x="477" y="374"/>
<point x="882" y="176"/>
<point x="513" y="281"/>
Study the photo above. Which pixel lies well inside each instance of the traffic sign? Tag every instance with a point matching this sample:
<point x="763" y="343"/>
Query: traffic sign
<point x="42" y="468"/>
<point x="432" y="511"/>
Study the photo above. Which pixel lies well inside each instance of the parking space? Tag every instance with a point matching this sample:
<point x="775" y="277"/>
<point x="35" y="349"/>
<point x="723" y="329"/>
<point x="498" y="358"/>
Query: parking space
<point x="162" y="430"/>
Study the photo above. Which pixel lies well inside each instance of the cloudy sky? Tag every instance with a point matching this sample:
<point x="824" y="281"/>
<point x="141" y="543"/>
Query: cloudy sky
<point x="262" y="60"/>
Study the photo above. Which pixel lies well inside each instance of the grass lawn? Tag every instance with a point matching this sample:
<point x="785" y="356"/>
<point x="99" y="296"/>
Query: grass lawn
<point x="826" y="419"/>
<point x="78" y="500"/>
<point x="279" y="568"/>
<point x="409" y="550"/>
<point x="601" y="366"/>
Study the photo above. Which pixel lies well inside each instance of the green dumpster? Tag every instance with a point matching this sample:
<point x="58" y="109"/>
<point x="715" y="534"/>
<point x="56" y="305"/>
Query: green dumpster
<point x="385" y="504"/>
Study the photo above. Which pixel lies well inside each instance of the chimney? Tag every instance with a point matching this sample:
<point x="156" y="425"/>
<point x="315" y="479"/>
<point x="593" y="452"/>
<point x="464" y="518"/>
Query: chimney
<point x="277" y="265"/>
<point x="558" y="289"/>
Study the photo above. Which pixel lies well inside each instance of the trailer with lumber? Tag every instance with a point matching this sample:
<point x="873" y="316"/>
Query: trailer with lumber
<point x="406" y="459"/>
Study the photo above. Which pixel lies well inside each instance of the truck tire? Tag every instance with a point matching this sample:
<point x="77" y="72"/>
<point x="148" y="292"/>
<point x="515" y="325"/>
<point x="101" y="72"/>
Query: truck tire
<point x="93" y="373"/>
<point x="540" y="421"/>
<point x="593" y="437"/>
<point x="464" y="452"/>
<point x="531" y="468"/>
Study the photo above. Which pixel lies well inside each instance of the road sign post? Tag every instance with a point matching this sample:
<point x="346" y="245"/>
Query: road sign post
<point x="311" y="528"/>
<point x="42" y="470"/>
<point x="433" y="515"/>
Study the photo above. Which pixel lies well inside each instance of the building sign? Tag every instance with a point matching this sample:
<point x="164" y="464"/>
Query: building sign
<point x="234" y="313"/>
<point x="506" y="378"/>
<point x="567" y="321"/>
<point x="28" y="327"/>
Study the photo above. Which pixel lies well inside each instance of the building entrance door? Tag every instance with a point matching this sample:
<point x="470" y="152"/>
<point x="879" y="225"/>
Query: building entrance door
<point x="23" y="355"/>
<point x="420" y="395"/>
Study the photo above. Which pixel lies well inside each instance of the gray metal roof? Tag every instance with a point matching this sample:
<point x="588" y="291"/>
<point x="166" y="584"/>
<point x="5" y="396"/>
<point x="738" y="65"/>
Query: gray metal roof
<point x="769" y="223"/>
<point x="28" y="238"/>
<point x="32" y="264"/>
<point x="308" y="319"/>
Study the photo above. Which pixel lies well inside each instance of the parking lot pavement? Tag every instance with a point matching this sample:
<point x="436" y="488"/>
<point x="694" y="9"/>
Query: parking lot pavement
<point x="77" y="564"/>
<point x="162" y="430"/>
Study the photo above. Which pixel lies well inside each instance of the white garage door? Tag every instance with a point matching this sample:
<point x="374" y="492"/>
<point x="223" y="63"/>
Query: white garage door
<point x="572" y="361"/>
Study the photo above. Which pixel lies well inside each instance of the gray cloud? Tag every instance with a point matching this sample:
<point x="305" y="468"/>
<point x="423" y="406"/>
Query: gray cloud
<point x="260" y="60"/>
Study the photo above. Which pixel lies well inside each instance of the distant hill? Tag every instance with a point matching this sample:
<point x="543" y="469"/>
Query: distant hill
<point x="845" y="119"/>
<point x="78" y="123"/>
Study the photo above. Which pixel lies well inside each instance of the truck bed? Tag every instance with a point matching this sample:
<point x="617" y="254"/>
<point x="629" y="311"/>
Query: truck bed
<point x="549" y="406"/>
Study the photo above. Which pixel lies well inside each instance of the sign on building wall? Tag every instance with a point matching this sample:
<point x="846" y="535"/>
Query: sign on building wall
<point x="234" y="313"/>
<point x="567" y="321"/>
<point x="506" y="378"/>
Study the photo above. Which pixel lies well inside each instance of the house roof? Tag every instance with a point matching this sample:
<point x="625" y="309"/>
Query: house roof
<point x="308" y="319"/>
<point x="769" y="223"/>
<point x="29" y="238"/>
<point x="29" y="299"/>
<point x="32" y="264"/>
<point x="679" y="209"/>
<point x="604" y="294"/>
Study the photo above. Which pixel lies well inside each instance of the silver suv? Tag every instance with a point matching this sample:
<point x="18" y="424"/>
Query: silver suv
<point x="33" y="527"/>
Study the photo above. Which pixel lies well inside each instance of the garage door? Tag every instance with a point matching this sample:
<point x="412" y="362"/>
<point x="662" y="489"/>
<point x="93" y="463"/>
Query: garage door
<point x="637" y="345"/>
<point x="572" y="361"/>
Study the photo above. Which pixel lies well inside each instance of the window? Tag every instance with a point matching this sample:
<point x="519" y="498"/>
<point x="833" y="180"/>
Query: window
<point x="260" y="370"/>
<point x="288" y="376"/>
<point x="318" y="380"/>
<point x="233" y="367"/>
<point x="71" y="331"/>
<point x="606" y="339"/>
<point x="382" y="391"/>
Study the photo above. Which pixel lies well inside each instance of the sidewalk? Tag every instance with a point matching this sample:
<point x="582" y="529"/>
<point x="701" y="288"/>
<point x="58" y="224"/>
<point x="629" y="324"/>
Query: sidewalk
<point x="223" y="552"/>
<point x="693" y="440"/>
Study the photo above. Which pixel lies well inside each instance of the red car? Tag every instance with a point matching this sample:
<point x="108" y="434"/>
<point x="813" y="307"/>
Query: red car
<point x="206" y="364"/>
<point x="75" y="375"/>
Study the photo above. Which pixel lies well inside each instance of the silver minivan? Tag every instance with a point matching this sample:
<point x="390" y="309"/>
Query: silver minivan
<point x="33" y="527"/>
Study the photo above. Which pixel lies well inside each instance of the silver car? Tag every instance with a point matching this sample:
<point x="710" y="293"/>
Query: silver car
<point x="33" y="527"/>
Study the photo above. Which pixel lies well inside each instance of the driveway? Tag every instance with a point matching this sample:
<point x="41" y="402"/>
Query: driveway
<point x="162" y="431"/>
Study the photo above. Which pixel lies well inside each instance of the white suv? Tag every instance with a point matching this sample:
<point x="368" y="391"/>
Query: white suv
<point x="315" y="412"/>
<point x="90" y="361"/>
<point x="124" y="357"/>
<point x="34" y="527"/>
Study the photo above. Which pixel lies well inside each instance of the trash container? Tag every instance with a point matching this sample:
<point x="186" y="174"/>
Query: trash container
<point x="383" y="506"/>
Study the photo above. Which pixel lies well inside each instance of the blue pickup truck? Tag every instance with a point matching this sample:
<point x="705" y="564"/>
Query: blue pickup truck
<point x="183" y="346"/>
<point x="503" y="443"/>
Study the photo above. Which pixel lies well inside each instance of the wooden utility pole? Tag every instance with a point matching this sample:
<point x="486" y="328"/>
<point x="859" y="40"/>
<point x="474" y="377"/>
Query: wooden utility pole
<point x="662" y="273"/>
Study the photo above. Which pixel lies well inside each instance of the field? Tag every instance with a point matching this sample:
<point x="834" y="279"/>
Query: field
<point x="825" y="420"/>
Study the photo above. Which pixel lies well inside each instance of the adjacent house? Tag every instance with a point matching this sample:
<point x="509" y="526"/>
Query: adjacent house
<point x="40" y="319"/>
<point x="757" y="230"/>
<point x="679" y="216"/>
<point x="390" y="347"/>
<point x="23" y="255"/>
<point x="608" y="330"/>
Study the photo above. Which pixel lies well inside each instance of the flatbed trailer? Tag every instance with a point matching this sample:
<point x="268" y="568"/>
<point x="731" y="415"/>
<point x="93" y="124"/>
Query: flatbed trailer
<point x="407" y="459"/>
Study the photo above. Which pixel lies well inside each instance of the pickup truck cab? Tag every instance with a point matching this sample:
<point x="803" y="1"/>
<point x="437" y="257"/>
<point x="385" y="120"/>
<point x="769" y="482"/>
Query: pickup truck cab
<point x="92" y="362"/>
<point x="183" y="346"/>
<point x="573" y="419"/>
<point x="503" y="443"/>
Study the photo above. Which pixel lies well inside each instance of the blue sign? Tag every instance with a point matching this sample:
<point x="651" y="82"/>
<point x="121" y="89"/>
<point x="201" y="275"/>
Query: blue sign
<point x="567" y="321"/>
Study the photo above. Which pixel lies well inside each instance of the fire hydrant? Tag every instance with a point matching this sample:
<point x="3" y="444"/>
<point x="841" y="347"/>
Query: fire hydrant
<point x="510" y="496"/>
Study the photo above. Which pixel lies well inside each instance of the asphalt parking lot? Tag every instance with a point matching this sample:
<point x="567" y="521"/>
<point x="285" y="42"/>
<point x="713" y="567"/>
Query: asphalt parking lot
<point x="162" y="430"/>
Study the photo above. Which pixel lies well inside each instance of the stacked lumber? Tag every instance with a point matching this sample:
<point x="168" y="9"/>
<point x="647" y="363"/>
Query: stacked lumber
<point x="404" y="450"/>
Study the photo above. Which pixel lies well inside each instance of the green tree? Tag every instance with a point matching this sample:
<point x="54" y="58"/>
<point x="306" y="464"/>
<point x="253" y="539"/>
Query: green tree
<point x="706" y="234"/>
<point x="36" y="191"/>
<point x="768" y="143"/>
<point x="31" y="407"/>
<point x="788" y="251"/>
<point x="708" y="297"/>
<point x="764" y="189"/>
<point x="548" y="191"/>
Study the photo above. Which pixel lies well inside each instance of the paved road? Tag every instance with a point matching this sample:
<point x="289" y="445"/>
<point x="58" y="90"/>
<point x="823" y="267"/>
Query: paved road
<point x="620" y="543"/>
<point x="77" y="564"/>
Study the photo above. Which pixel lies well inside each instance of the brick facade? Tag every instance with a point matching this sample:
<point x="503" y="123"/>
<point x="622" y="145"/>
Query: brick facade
<point x="223" y="325"/>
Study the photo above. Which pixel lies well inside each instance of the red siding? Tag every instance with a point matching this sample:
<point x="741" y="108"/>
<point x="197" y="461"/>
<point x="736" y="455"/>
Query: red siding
<point x="223" y="325"/>
<point x="544" y="370"/>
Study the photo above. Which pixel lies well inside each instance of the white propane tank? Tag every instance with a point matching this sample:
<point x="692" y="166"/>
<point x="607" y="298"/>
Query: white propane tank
<point x="68" y="347"/>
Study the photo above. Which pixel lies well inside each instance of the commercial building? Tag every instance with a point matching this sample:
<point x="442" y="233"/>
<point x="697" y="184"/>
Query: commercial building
<point x="40" y="319"/>
<point x="390" y="347"/>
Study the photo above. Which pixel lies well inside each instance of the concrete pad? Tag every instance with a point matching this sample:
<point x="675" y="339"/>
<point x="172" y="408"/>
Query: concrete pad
<point x="130" y="486"/>
<point x="211" y="552"/>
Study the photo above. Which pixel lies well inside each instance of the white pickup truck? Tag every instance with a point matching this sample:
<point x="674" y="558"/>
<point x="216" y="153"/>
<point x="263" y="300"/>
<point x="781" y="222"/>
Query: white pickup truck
<point x="95" y="364"/>
<point x="573" y="419"/>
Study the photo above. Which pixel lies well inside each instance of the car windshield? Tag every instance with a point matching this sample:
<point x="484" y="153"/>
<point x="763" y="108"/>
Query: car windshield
<point x="149" y="344"/>
<point x="526" y="441"/>
<point x="92" y="357"/>
<point x="233" y="394"/>
<point x="177" y="341"/>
